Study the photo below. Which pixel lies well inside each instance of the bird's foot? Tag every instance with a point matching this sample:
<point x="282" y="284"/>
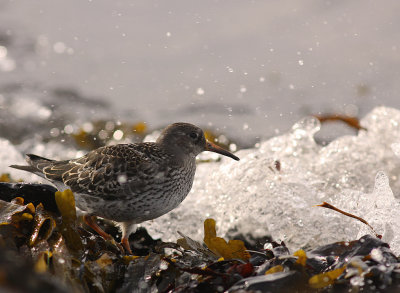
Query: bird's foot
<point x="125" y="244"/>
<point x="91" y="222"/>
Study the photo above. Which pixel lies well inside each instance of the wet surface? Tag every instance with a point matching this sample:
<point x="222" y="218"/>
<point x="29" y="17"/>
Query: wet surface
<point x="39" y="243"/>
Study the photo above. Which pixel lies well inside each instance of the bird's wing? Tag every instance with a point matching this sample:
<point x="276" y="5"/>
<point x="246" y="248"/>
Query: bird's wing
<point x="113" y="171"/>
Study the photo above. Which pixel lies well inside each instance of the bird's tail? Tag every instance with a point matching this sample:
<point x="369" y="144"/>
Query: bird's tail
<point x="36" y="164"/>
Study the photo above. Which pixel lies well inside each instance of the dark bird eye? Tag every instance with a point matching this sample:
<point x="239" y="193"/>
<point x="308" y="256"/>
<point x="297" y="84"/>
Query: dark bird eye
<point x="194" y="135"/>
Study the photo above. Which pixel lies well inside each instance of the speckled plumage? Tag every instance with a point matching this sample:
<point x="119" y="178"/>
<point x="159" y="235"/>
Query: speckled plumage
<point x="125" y="182"/>
<point x="130" y="183"/>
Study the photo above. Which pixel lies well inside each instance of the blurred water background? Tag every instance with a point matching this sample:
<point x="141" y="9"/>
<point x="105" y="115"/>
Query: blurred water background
<point x="249" y="69"/>
<point x="246" y="69"/>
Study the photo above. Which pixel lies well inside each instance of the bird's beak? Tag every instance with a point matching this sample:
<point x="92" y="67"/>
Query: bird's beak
<point x="216" y="149"/>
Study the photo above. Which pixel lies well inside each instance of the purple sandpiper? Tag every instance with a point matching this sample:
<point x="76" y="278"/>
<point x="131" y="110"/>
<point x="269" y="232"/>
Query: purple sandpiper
<point x="130" y="183"/>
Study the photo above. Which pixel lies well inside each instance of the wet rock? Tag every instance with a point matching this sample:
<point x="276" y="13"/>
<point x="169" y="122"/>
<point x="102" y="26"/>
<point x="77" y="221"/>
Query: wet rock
<point x="34" y="193"/>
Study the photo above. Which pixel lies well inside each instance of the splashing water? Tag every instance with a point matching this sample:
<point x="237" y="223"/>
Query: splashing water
<point x="255" y="196"/>
<point x="274" y="188"/>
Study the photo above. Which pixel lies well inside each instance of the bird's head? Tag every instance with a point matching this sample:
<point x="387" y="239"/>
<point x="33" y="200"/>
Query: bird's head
<point x="188" y="139"/>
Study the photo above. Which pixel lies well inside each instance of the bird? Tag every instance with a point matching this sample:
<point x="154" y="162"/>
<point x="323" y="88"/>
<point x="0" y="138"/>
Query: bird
<point x="130" y="183"/>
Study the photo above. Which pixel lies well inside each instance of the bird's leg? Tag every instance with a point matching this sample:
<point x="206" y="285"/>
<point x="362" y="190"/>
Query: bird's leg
<point x="90" y="221"/>
<point x="126" y="228"/>
<point x="125" y="244"/>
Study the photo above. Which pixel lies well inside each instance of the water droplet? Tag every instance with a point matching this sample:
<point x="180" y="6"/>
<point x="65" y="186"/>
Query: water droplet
<point x="118" y="134"/>
<point x="376" y="255"/>
<point x="110" y="125"/>
<point x="163" y="265"/>
<point x="103" y="134"/>
<point x="87" y="127"/>
<point x="59" y="47"/>
<point x="3" y="52"/>
<point x="68" y="129"/>
<point x="200" y="91"/>
<point x="122" y="178"/>
<point x="54" y="132"/>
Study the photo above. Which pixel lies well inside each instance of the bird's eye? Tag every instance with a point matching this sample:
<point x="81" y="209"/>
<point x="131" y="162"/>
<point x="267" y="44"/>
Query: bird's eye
<point x="194" y="135"/>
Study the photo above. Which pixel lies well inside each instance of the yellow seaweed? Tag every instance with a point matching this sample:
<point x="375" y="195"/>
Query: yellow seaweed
<point x="5" y="177"/>
<point x="218" y="245"/>
<point x="275" y="269"/>
<point x="139" y="127"/>
<point x="43" y="225"/>
<point x="12" y="213"/>
<point x="128" y="258"/>
<point x="301" y="257"/>
<point x="66" y="204"/>
<point x="104" y="260"/>
<point x="325" y="279"/>
<point x="42" y="264"/>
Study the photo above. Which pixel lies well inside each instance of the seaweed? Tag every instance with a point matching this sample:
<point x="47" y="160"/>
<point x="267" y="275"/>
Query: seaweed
<point x="44" y="246"/>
